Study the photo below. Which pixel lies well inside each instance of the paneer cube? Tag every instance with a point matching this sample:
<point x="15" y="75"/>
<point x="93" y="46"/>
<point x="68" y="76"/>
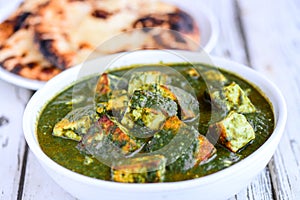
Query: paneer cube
<point x="148" y="110"/>
<point x="189" y="105"/>
<point x="214" y="78"/>
<point x="107" y="83"/>
<point x="117" y="103"/>
<point x="67" y="129"/>
<point x="103" y="85"/>
<point x="106" y="137"/>
<point x="146" y="169"/>
<point x="186" y="150"/>
<point x="153" y="119"/>
<point x="234" y="132"/>
<point x="199" y="151"/>
<point x="232" y="97"/>
<point x="205" y="150"/>
<point x="165" y="135"/>
<point x="76" y="123"/>
<point x="139" y="79"/>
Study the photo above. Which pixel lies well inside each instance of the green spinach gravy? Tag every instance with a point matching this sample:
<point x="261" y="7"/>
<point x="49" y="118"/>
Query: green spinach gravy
<point x="65" y="151"/>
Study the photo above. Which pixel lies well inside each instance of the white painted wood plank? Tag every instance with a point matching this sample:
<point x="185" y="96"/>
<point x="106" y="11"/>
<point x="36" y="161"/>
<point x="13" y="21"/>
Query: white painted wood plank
<point x="230" y="44"/>
<point x="274" y="47"/>
<point x="259" y="188"/>
<point x="12" y="143"/>
<point x="39" y="185"/>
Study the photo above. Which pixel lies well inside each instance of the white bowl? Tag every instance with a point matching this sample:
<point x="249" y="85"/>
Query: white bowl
<point x="219" y="185"/>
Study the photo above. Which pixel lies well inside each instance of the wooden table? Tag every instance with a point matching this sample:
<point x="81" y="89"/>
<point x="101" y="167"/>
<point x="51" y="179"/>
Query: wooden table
<point x="264" y="34"/>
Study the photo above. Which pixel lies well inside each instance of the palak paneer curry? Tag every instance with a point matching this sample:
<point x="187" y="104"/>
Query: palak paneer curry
<point x="144" y="124"/>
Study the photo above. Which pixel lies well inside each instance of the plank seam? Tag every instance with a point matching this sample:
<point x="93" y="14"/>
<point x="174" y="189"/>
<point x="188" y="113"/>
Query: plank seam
<point x="293" y="144"/>
<point x="241" y="29"/>
<point x="23" y="173"/>
<point x="271" y="183"/>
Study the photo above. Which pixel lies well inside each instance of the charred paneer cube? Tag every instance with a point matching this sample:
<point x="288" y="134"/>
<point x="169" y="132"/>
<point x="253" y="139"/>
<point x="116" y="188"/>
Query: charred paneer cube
<point x="116" y="103"/>
<point x="232" y="97"/>
<point x="107" y="83"/>
<point x="205" y="149"/>
<point x="234" y="132"/>
<point x="165" y="135"/>
<point x="140" y="79"/>
<point x="181" y="144"/>
<point x="188" y="104"/>
<point x="76" y="123"/>
<point x="103" y="85"/>
<point x="145" y="169"/>
<point x="199" y="151"/>
<point x="148" y="110"/>
<point x="107" y="135"/>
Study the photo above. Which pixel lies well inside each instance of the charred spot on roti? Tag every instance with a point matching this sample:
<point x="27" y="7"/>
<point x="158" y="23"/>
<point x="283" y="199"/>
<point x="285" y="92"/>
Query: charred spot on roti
<point x="19" y="21"/>
<point x="32" y="65"/>
<point x="85" y="45"/>
<point x="47" y="49"/>
<point x="98" y="13"/>
<point x="181" y="21"/>
<point x="11" y="25"/>
<point x="148" y="21"/>
<point x="178" y="21"/>
<point x="17" y="69"/>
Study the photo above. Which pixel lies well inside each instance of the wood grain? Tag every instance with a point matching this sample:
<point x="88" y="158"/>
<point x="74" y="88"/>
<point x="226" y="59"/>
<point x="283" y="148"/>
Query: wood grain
<point x="230" y="42"/>
<point x="12" y="143"/>
<point x="39" y="185"/>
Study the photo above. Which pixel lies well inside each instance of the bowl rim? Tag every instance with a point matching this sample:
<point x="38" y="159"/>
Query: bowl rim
<point x="280" y="121"/>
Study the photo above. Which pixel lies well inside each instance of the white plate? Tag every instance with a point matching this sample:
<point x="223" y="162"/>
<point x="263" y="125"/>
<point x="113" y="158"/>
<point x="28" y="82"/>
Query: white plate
<point x="20" y="81"/>
<point x="207" y="23"/>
